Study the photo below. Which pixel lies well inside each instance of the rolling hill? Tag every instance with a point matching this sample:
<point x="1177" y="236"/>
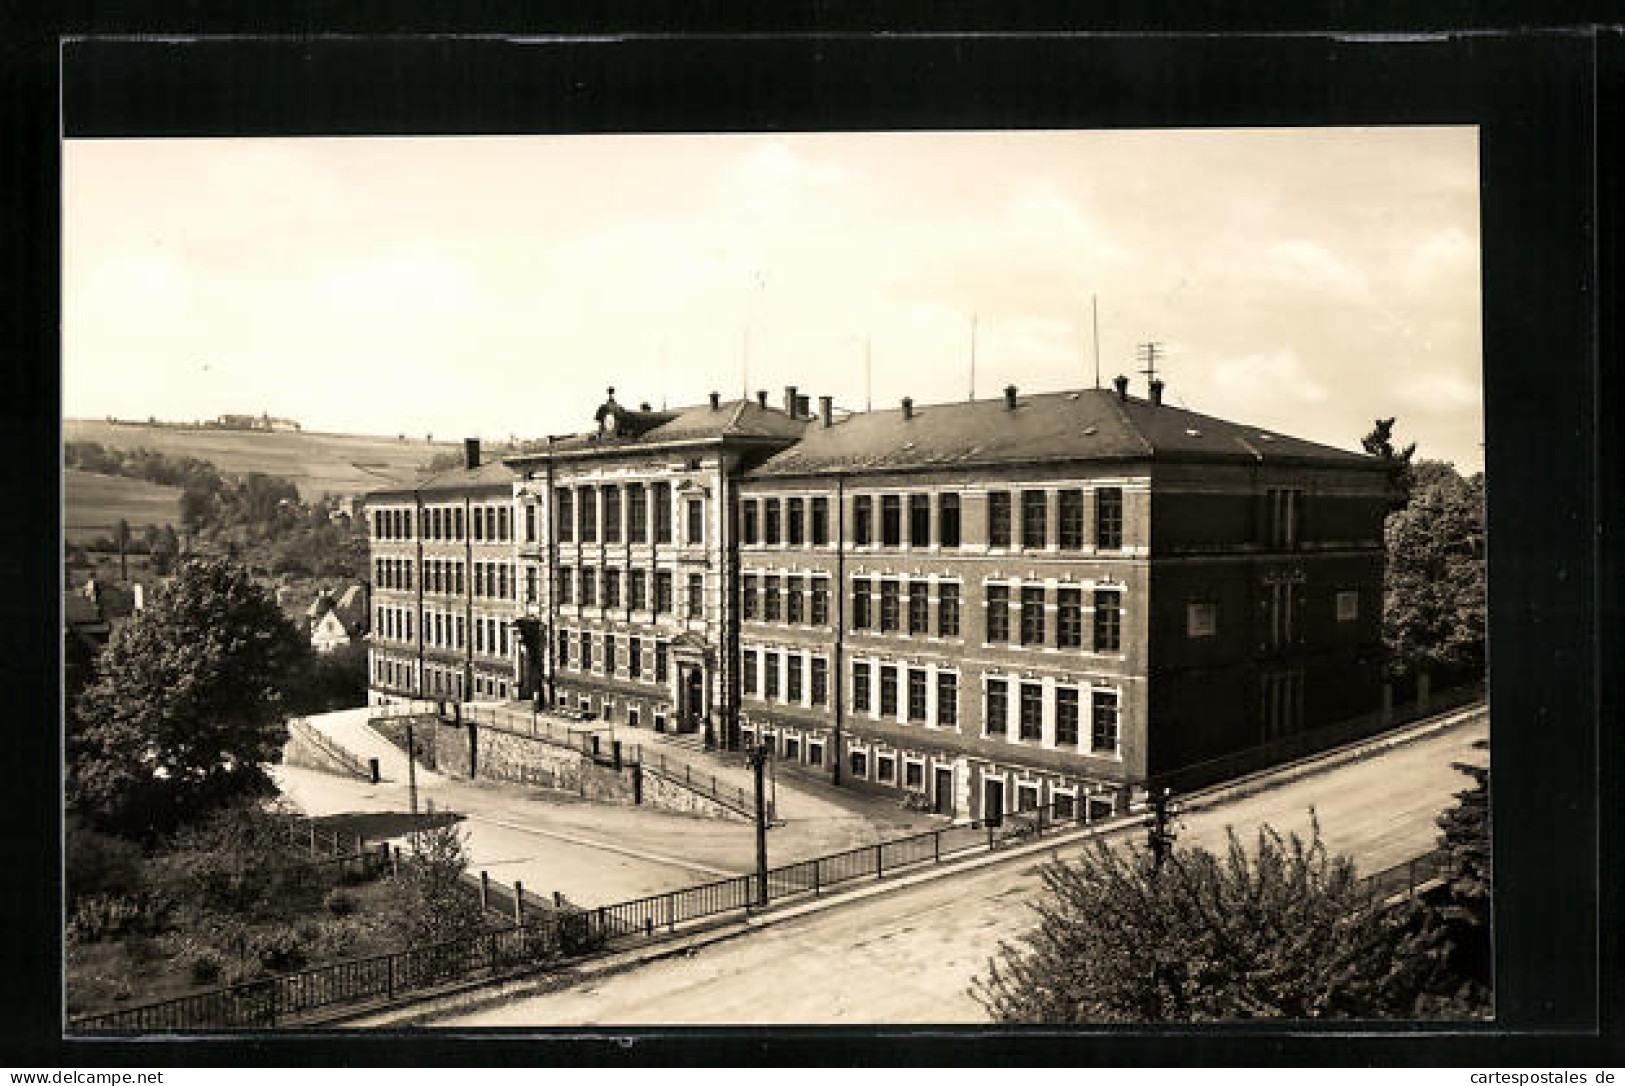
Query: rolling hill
<point x="92" y="505"/>
<point x="317" y="463"/>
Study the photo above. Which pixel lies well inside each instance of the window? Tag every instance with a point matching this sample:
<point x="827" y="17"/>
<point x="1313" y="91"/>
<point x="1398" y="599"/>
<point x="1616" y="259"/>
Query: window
<point x="998" y="518"/>
<point x="530" y="522"/>
<point x="820" y="601"/>
<point x="919" y="520"/>
<point x="820" y="521"/>
<point x="1034" y="518"/>
<point x="1285" y="517"/>
<point x="914" y="775"/>
<point x="589" y="588"/>
<point x="662" y="503"/>
<point x="792" y="679"/>
<point x="1032" y="712"/>
<point x="916" y="695"/>
<point x="566" y="584"/>
<point x="1201" y="618"/>
<point x="530" y="584"/>
<point x="888" y="606"/>
<point x="998" y="614"/>
<point x="747" y="671"/>
<point x="794" y="601"/>
<point x="696" y="522"/>
<point x="1103" y="737"/>
<point x="587" y="519"/>
<point x="748" y="519"/>
<point x="612" y="588"/>
<point x="661" y="661"/>
<point x="997" y="708"/>
<point x="1071" y="513"/>
<point x="748" y="596"/>
<point x="918" y="607"/>
<point x="770" y="598"/>
<point x="947" y="699"/>
<point x="947" y="610"/>
<point x="858" y="762"/>
<point x="1064" y="806"/>
<point x="637" y="514"/>
<point x="634" y="658"/>
<point x="609" y="654"/>
<point x="585" y="641"/>
<point x="820" y="681"/>
<point x="860" y="688"/>
<point x="770" y="521"/>
<point x="637" y="590"/>
<point x="886" y="769"/>
<point x="770" y="675"/>
<point x="565" y="520"/>
<point x="948" y="520"/>
<point x="1066" y="717"/>
<point x="1069" y="618"/>
<point x="815" y="754"/>
<point x="1032" y="615"/>
<point x="505" y="523"/>
<point x="696" y="595"/>
<point x="860" y="603"/>
<point x="891" y="520"/>
<point x="1109" y="518"/>
<point x="797" y="521"/>
<point x="888" y="691"/>
<point x="862" y="519"/>
<point x="662" y="591"/>
<point x="792" y="749"/>
<point x="479" y="526"/>
<point x="1282" y="703"/>
<point x="1026" y="797"/>
<point x="1108" y="621"/>
<point x="564" y="648"/>
<point x="1348" y="605"/>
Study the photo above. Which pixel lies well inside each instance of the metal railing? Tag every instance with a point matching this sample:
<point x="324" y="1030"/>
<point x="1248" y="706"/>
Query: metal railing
<point x="1406" y="878"/>
<point x="682" y="775"/>
<point x="302" y="729"/>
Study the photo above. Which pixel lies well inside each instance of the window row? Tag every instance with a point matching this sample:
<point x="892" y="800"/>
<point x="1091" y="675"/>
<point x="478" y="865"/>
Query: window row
<point x="1059" y="626"/>
<point x="792" y="598"/>
<point x="624" y="512"/>
<point x="899" y="610"/>
<point x="786" y="677"/>
<point x="393" y="573"/>
<point x="1069" y="527"/>
<point x="392" y="524"/>
<point x="592" y="586"/>
<point x="582" y="650"/>
<point x="494" y="580"/>
<point x="393" y="624"/>
<point x="1065" y="719"/>
<point x="491" y="636"/>
<point x="398" y="674"/>
<point x="784" y="520"/>
<point x="876" y="691"/>
<point x="443" y="576"/>
<point x="485" y="523"/>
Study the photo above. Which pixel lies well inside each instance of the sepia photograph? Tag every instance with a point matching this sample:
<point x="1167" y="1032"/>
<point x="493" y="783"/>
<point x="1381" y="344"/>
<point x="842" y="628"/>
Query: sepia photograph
<point x="968" y="578"/>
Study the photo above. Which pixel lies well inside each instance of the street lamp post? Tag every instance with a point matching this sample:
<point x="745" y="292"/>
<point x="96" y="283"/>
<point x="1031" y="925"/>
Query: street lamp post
<point x="758" y="760"/>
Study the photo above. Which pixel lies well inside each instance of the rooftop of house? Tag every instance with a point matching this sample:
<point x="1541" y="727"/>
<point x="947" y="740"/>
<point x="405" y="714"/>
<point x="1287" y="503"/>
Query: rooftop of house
<point x="1088" y="424"/>
<point x="622" y="428"/>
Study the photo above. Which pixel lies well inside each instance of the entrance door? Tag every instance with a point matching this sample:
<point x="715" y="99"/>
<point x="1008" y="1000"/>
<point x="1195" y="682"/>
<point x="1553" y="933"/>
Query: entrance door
<point x="693" y="699"/>
<point x="993" y="802"/>
<point x="945" y="791"/>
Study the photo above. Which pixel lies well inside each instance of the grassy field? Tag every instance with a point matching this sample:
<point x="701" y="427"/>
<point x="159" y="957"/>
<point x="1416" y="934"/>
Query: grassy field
<point x="94" y="504"/>
<point x="316" y="463"/>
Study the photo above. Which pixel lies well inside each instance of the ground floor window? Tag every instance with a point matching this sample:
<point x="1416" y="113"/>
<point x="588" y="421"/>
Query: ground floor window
<point x="815" y="754"/>
<point x="886" y="769"/>
<point x="792" y="749"/>
<point x="1099" y="808"/>
<point x="1066" y="806"/>
<point x="1026" y="797"/>
<point x="632" y="716"/>
<point x="858" y="762"/>
<point x="914" y="774"/>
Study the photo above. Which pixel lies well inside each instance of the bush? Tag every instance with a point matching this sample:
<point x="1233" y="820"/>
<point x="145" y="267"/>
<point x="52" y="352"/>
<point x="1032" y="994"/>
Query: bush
<point x="278" y="949"/>
<point x="206" y="966"/>
<point x="99" y="863"/>
<point x="105" y="916"/>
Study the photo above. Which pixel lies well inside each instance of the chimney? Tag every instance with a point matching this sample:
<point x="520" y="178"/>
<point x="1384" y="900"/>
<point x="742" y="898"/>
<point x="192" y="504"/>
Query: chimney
<point x="826" y="409"/>
<point x="790" y="400"/>
<point x="803" y="407"/>
<point x="1122" y="387"/>
<point x="1009" y="397"/>
<point x="908" y="407"/>
<point x="644" y="406"/>
<point x="471" y="452"/>
<point x="1156" y="392"/>
<point x="716" y="400"/>
<point x="761" y="397"/>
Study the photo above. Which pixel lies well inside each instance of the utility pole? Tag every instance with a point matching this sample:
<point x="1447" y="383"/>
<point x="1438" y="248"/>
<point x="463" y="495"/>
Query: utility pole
<point x="1160" y="836"/>
<point x="411" y="768"/>
<point x="758" y="760"/>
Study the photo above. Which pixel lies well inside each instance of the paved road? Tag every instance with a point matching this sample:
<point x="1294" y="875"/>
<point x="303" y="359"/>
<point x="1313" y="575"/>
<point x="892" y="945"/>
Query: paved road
<point x="909" y="956"/>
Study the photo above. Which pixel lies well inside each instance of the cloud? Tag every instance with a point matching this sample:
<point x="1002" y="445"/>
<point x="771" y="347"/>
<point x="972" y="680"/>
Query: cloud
<point x="1313" y="265"/>
<point x="1442" y="392"/>
<point x="400" y="285"/>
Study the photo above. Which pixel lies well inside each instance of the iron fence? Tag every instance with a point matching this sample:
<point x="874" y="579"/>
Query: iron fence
<point x="1406" y="878"/>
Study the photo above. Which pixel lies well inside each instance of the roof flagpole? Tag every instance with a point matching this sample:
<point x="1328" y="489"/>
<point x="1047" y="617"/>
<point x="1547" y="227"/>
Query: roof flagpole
<point x="868" y="373"/>
<point x="744" y="365"/>
<point x="1094" y="308"/>
<point x="973" y="357"/>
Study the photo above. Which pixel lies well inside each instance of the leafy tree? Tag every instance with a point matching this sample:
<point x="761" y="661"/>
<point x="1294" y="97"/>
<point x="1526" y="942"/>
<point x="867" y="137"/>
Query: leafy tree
<point x="433" y="903"/>
<point x="1458" y="924"/>
<point x="1288" y="931"/>
<point x="1434" y="598"/>
<point x="186" y="705"/>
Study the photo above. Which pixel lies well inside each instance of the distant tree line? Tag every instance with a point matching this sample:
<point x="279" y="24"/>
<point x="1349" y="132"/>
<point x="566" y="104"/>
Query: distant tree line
<point x="254" y="515"/>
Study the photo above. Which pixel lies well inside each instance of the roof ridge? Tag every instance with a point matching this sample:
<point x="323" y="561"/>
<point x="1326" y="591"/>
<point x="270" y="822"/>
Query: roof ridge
<point x="1116" y="405"/>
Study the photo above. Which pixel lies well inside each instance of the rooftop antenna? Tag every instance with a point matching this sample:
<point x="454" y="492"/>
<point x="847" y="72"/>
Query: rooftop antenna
<point x="868" y="349"/>
<point x="1094" y="308"/>
<point x="1149" y="353"/>
<point x="744" y="366"/>
<point x="662" y="373"/>
<point x="973" y="357"/>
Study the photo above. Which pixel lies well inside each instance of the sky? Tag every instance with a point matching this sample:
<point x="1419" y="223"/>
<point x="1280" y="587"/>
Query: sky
<point x="1303" y="280"/>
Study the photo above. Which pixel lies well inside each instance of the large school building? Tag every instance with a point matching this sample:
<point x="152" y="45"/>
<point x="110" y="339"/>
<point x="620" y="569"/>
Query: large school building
<point x="992" y="604"/>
